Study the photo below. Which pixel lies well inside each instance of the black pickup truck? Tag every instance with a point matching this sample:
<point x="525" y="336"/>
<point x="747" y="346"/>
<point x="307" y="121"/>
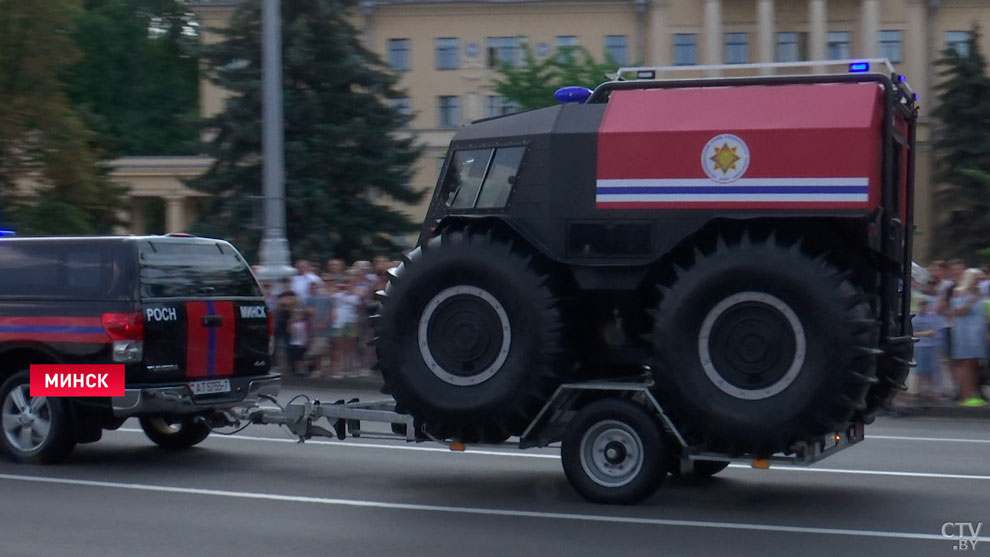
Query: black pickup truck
<point x="184" y="315"/>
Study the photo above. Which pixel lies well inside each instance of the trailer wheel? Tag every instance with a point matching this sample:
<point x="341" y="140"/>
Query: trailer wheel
<point x="174" y="433"/>
<point x="470" y="337"/>
<point x="759" y="346"/>
<point x="33" y="429"/>
<point x="613" y="452"/>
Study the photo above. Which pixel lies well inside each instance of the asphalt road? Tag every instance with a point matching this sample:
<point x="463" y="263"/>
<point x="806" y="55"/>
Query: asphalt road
<point x="259" y="493"/>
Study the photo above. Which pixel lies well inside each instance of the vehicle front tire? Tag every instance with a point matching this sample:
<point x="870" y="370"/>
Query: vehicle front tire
<point x="613" y="452"/>
<point x="173" y="432"/>
<point x="470" y="337"/>
<point x="33" y="429"/>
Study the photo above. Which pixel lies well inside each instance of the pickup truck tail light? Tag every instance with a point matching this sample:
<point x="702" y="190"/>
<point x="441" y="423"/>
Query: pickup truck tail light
<point x="126" y="330"/>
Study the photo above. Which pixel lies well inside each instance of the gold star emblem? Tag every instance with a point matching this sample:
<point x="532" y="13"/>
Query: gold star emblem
<point x="725" y="158"/>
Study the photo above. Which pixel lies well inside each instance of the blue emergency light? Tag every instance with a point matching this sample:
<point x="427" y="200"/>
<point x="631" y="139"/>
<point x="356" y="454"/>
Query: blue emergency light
<point x="6" y="233"/>
<point x="572" y="94"/>
<point x="859" y="67"/>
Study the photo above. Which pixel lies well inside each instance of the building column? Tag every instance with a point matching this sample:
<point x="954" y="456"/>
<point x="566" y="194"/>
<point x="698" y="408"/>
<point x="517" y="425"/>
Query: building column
<point x="368" y="11"/>
<point x="175" y="214"/>
<point x="713" y="31"/>
<point x="818" y="29"/>
<point x="870" y="16"/>
<point x="765" y="32"/>
<point x="659" y="45"/>
<point x="139" y="224"/>
<point x="916" y="52"/>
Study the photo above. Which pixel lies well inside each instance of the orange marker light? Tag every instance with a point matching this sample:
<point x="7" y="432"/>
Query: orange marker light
<point x="761" y="464"/>
<point x="457" y="446"/>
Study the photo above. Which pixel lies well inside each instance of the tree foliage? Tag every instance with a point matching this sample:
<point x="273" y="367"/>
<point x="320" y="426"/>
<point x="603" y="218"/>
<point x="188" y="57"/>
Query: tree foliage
<point x="43" y="142"/>
<point x="342" y="145"/>
<point x="533" y="84"/>
<point x="962" y="149"/>
<point x="136" y="81"/>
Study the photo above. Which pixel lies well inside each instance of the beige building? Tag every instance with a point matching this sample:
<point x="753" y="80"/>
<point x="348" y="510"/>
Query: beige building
<point x="446" y="52"/>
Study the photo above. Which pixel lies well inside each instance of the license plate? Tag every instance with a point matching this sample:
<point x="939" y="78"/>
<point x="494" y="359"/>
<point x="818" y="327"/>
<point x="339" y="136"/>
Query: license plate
<point x="210" y="387"/>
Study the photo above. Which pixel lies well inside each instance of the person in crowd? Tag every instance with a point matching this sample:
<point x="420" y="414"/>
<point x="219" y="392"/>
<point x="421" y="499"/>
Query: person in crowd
<point x="928" y="327"/>
<point x="969" y="336"/>
<point x="320" y="310"/>
<point x="346" y="304"/>
<point x="301" y="282"/>
<point x="285" y="303"/>
<point x="298" y="338"/>
<point x="337" y="269"/>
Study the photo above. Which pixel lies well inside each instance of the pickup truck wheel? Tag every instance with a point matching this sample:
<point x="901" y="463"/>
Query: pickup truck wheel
<point x="469" y="337"/>
<point x="174" y="432"/>
<point x="34" y="429"/>
<point x="613" y="452"/>
<point x="759" y="346"/>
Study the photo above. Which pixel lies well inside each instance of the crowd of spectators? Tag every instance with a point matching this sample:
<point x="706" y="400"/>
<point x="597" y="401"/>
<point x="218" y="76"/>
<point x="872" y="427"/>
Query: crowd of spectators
<point x="321" y="318"/>
<point x="951" y="306"/>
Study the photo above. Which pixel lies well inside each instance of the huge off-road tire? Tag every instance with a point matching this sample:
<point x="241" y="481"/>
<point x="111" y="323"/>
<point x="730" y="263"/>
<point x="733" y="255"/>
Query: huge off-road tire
<point x="33" y="429"/>
<point x="470" y="338"/>
<point x="893" y="367"/>
<point x="759" y="346"/>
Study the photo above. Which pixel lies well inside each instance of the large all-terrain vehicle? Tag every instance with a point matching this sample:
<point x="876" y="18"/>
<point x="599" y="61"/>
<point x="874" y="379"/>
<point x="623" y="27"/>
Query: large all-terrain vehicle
<point x="745" y="241"/>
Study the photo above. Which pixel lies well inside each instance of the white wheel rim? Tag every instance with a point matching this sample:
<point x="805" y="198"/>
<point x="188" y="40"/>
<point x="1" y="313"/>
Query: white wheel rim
<point x="424" y="344"/>
<point x="704" y="350"/>
<point x="26" y="420"/>
<point x="598" y="458"/>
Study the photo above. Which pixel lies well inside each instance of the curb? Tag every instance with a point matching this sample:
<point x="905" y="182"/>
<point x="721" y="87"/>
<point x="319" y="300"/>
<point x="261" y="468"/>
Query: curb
<point x="950" y="411"/>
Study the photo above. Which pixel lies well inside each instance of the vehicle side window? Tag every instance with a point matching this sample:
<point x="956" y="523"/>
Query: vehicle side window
<point x="64" y="270"/>
<point x="465" y="175"/>
<point x="194" y="269"/>
<point x="482" y="178"/>
<point x="501" y="177"/>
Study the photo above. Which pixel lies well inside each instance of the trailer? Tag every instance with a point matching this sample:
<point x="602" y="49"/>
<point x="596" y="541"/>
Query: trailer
<point x="617" y="444"/>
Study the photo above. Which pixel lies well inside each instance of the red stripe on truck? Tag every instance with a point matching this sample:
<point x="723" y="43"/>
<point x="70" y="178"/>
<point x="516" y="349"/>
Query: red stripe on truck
<point x="197" y="340"/>
<point x="226" y="334"/>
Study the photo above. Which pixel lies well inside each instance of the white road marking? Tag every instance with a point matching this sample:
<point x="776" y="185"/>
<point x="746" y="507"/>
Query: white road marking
<point x="520" y="454"/>
<point x="927" y="439"/>
<point x="485" y="511"/>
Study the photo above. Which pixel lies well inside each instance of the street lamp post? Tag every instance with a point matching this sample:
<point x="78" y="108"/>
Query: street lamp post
<point x="274" y="248"/>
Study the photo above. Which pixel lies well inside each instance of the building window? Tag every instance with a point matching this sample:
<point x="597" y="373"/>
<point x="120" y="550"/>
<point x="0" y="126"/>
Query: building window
<point x="890" y="45"/>
<point x="791" y="47"/>
<point x="448" y="112"/>
<point x="566" y="45"/>
<point x="837" y="45"/>
<point x="504" y="50"/>
<point x="497" y="105"/>
<point x="617" y="49"/>
<point x="958" y="41"/>
<point x="398" y="54"/>
<point x="685" y="49"/>
<point x="448" y="53"/>
<point x="736" y="48"/>
<point x="404" y="106"/>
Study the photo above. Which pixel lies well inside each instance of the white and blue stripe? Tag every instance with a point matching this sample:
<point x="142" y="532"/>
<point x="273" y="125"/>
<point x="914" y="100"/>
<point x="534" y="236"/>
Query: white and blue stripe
<point x="672" y="190"/>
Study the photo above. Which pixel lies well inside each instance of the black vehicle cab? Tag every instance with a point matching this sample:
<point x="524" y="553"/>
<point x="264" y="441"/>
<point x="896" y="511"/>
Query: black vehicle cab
<point x="184" y="315"/>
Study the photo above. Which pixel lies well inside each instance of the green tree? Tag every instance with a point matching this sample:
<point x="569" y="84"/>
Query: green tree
<point x="532" y="85"/>
<point x="962" y="150"/>
<point x="136" y="81"/>
<point x="343" y="147"/>
<point x="50" y="179"/>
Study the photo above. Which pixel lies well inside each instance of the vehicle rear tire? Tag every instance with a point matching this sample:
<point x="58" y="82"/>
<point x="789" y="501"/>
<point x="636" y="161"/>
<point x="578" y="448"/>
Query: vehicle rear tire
<point x="893" y="367"/>
<point x="759" y="346"/>
<point x="33" y="429"/>
<point x="173" y="432"/>
<point x="613" y="452"/>
<point x="470" y="338"/>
